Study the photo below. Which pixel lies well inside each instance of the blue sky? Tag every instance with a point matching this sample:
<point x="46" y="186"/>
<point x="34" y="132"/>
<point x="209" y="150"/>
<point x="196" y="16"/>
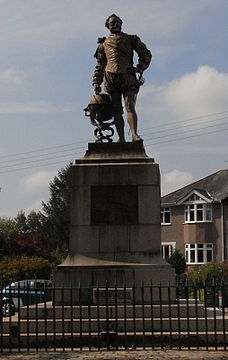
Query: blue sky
<point x="46" y="67"/>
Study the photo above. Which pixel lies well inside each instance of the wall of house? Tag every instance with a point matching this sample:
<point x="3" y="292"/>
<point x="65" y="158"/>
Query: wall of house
<point x="175" y="231"/>
<point x="185" y="233"/>
<point x="217" y="234"/>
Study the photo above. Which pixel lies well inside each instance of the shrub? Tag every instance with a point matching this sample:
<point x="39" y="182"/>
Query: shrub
<point x="207" y="272"/>
<point x="23" y="268"/>
<point x="177" y="261"/>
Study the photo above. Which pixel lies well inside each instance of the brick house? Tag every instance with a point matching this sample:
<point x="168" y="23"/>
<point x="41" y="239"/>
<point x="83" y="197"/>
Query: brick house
<point x="194" y="220"/>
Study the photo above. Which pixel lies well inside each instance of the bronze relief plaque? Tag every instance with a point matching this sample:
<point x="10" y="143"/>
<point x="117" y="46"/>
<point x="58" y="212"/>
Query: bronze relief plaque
<point x="114" y="205"/>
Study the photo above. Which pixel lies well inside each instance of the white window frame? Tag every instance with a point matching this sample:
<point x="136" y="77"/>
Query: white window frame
<point x="192" y="211"/>
<point x="164" y="211"/>
<point x="172" y="248"/>
<point x="192" y="253"/>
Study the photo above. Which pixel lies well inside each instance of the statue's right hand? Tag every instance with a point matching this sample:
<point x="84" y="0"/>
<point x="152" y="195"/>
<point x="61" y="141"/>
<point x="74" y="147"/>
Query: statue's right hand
<point x="97" y="89"/>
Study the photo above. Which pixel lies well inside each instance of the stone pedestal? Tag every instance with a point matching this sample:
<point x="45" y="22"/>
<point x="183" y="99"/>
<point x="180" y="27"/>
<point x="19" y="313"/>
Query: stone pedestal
<point x="115" y="220"/>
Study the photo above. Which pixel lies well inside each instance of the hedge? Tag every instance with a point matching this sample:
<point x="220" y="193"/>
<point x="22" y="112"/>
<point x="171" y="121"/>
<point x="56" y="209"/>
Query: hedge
<point x="23" y="268"/>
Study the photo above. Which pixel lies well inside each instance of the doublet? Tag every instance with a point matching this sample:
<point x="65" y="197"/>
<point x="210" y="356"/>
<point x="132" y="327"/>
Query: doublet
<point x="115" y="55"/>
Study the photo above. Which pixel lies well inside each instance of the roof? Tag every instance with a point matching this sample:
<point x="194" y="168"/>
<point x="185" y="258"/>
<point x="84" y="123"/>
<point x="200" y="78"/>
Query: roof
<point x="215" y="185"/>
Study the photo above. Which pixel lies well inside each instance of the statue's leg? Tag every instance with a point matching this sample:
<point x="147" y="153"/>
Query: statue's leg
<point x="130" y="100"/>
<point x="118" y="117"/>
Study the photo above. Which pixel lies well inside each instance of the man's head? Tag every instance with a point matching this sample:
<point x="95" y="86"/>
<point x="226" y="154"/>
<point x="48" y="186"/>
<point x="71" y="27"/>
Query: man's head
<point x="113" y="23"/>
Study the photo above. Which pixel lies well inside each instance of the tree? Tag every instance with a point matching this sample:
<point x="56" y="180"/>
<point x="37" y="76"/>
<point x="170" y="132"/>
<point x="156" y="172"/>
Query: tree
<point x="56" y="212"/>
<point x="24" y="267"/>
<point x="7" y="236"/>
<point x="177" y="261"/>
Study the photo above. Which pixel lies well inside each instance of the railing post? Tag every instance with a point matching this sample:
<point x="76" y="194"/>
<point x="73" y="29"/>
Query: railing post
<point x="196" y="312"/>
<point x="71" y="317"/>
<point x="214" y="308"/>
<point x="187" y="312"/>
<point x="133" y="310"/>
<point x="63" y="327"/>
<point x="143" y="313"/>
<point x="54" y="316"/>
<point x="45" y="317"/>
<point x="107" y="313"/>
<point x="80" y="312"/>
<point x="125" y="315"/>
<point x="89" y="314"/>
<point x="151" y="314"/>
<point x="160" y="306"/>
<point x="36" y="312"/>
<point x="10" y="322"/>
<point x="178" y="311"/>
<point x="170" y="318"/>
<point x="98" y="315"/>
<point x="19" y="316"/>
<point x="116" y="314"/>
<point x="205" y="313"/>
<point x="223" y="315"/>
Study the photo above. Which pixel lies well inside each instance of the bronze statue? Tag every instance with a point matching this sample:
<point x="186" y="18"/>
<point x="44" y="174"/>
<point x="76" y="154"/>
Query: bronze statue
<point x="115" y="67"/>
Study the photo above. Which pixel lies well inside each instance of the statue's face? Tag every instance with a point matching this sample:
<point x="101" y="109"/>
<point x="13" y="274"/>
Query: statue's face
<point x="114" y="25"/>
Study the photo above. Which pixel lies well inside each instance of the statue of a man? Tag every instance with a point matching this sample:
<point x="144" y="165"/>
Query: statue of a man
<point x="115" y="67"/>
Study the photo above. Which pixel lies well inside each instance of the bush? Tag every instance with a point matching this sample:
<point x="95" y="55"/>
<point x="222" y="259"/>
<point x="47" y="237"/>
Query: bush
<point x="23" y="268"/>
<point x="177" y="261"/>
<point x="207" y="272"/>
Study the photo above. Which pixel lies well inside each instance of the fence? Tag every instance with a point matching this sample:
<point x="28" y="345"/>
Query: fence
<point x="196" y="317"/>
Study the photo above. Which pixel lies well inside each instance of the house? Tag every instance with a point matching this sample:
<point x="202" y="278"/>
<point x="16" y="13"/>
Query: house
<point x="194" y="220"/>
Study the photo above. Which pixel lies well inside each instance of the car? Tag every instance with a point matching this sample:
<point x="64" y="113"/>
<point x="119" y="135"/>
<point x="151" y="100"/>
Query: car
<point x="22" y="293"/>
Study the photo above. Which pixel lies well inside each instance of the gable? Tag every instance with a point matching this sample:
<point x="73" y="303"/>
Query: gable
<point x="196" y="197"/>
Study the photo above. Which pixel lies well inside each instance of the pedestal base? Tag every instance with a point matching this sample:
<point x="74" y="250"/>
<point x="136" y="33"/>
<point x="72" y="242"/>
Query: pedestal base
<point x="135" y="276"/>
<point x="115" y="229"/>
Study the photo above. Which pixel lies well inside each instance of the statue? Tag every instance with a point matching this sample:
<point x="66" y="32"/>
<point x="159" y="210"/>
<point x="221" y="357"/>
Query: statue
<point x="115" y="67"/>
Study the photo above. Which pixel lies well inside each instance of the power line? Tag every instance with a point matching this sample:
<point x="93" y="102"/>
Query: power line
<point x="37" y="166"/>
<point x="186" y="131"/>
<point x="188" y="125"/>
<point x="46" y="154"/>
<point x="38" y="160"/>
<point x="62" y="153"/>
<point x="186" y="137"/>
<point x="83" y="141"/>
<point x="184" y="121"/>
<point x="43" y="149"/>
<point x="148" y="145"/>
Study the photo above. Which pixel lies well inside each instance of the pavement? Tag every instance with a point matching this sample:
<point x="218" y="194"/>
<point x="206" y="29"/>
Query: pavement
<point x="119" y="355"/>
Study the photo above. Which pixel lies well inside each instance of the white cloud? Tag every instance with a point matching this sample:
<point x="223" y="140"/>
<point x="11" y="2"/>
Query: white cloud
<point x="34" y="107"/>
<point x="200" y="92"/>
<point x="11" y="77"/>
<point x="174" y="180"/>
<point x="37" y="181"/>
<point x="195" y="94"/>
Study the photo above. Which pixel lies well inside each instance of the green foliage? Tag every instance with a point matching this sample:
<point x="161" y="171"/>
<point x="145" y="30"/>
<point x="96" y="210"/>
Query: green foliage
<point x="23" y="268"/>
<point x="7" y="235"/>
<point x="177" y="261"/>
<point x="56" y="212"/>
<point x="40" y="234"/>
<point x="207" y="272"/>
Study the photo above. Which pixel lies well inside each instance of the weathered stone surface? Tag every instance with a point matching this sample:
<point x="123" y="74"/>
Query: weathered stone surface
<point x="115" y="219"/>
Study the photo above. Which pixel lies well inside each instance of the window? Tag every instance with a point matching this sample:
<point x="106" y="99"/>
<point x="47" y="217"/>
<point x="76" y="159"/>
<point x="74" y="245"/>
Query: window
<point x="165" y="215"/>
<point x="198" y="213"/>
<point x="198" y="253"/>
<point x="167" y="249"/>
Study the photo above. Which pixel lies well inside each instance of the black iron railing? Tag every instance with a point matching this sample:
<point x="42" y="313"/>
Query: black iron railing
<point x="103" y="316"/>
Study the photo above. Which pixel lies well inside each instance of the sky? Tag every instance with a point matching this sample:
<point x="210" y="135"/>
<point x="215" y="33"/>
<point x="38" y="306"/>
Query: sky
<point x="46" y="67"/>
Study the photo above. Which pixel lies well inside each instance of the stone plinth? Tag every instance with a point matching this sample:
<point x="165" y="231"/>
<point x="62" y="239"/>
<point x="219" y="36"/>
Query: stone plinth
<point x="115" y="219"/>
